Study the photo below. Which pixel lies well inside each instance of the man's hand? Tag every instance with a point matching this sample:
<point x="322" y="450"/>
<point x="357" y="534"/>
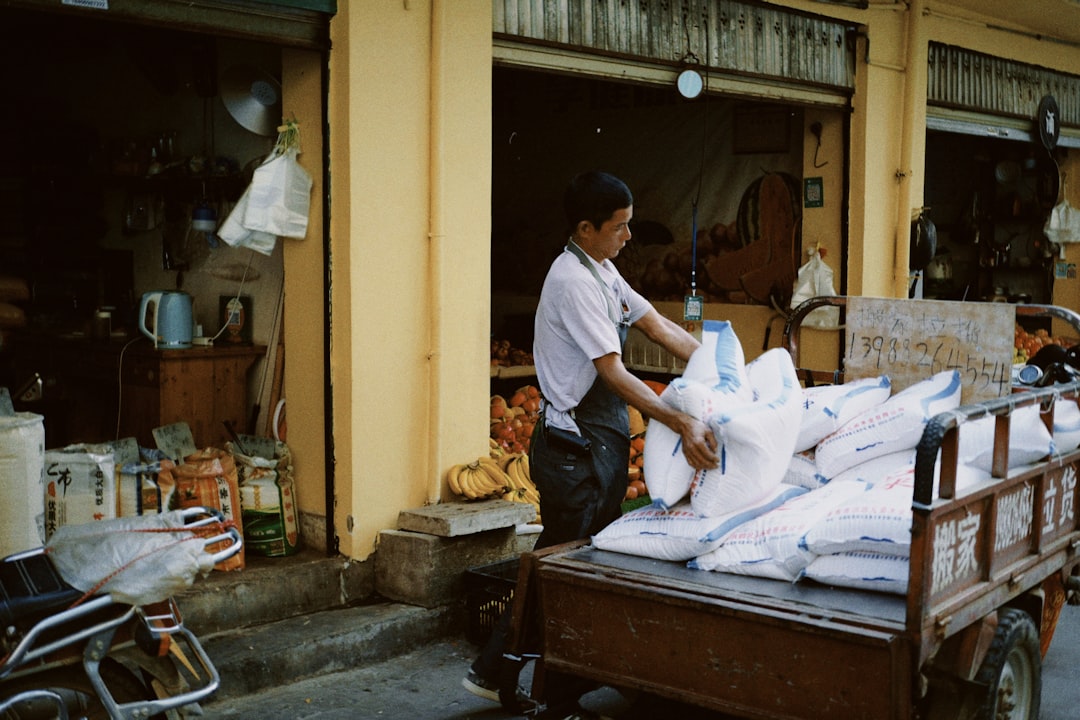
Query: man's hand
<point x="698" y="443"/>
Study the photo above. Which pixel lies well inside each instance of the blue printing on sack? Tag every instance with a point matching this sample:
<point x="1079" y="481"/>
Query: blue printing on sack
<point x="834" y="410"/>
<point x="751" y="513"/>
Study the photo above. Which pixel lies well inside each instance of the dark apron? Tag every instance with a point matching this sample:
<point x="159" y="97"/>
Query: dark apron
<point x="581" y="495"/>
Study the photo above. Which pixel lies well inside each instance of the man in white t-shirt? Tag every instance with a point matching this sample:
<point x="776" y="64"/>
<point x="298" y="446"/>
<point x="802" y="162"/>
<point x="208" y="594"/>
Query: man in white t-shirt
<point x="580" y="449"/>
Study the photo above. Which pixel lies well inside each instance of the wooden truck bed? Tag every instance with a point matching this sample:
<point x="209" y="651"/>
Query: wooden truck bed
<point x="760" y="648"/>
<point x="729" y="642"/>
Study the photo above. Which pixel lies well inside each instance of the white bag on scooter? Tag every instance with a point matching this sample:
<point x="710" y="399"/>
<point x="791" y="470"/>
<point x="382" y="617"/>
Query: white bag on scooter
<point x="136" y="560"/>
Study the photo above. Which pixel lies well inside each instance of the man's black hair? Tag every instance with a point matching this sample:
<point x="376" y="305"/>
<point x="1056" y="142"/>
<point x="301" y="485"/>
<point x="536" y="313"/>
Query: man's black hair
<point x="594" y="196"/>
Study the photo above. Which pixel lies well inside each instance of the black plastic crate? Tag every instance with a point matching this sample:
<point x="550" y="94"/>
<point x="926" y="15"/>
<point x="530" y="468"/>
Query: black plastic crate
<point x="488" y="592"/>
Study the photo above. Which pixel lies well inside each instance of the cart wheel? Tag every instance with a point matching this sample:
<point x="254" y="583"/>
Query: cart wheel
<point x="1012" y="670"/>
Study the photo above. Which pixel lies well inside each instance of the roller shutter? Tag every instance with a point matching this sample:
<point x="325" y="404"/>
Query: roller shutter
<point x="977" y="94"/>
<point x="748" y="50"/>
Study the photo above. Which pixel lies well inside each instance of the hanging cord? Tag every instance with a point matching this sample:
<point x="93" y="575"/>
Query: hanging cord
<point x="694" y="204"/>
<point x="120" y="382"/>
<point x="701" y="166"/>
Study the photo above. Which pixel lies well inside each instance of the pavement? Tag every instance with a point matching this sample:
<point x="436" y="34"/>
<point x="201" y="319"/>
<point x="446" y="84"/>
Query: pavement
<point x="424" y="683"/>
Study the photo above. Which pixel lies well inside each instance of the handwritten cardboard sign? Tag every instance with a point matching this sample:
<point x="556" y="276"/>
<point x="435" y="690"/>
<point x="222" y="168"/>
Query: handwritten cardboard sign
<point x="910" y="340"/>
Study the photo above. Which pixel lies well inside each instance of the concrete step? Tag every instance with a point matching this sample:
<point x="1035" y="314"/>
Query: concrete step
<point x="272" y="589"/>
<point x="277" y="654"/>
<point x="283" y="619"/>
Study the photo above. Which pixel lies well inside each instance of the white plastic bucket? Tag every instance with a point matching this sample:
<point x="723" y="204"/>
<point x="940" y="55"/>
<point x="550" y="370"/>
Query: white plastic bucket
<point x="22" y="482"/>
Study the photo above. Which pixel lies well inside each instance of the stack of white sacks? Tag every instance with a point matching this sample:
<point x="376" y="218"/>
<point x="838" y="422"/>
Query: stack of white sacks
<point x="813" y="483"/>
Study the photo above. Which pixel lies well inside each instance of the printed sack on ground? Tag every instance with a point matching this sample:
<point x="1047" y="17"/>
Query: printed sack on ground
<point x="22" y="465"/>
<point x="878" y="520"/>
<point x="208" y="478"/>
<point x="1029" y="440"/>
<point x="772" y="545"/>
<point x="715" y="376"/>
<point x="897" y="424"/>
<point x="267" y="497"/>
<point x="827" y="407"/>
<point x="80" y="485"/>
<point x="861" y="570"/>
<point x="143" y="489"/>
<point x="138" y="491"/>
<point x="679" y="534"/>
<point x="755" y="441"/>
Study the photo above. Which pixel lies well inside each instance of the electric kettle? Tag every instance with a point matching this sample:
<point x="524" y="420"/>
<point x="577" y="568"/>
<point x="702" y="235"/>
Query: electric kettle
<point x="171" y="318"/>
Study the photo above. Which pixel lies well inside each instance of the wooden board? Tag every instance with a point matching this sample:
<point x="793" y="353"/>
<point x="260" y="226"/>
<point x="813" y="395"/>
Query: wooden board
<point x="910" y="340"/>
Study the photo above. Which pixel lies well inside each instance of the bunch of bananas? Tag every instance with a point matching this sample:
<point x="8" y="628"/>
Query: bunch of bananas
<point x="521" y="487"/>
<point x="482" y="478"/>
<point x="499" y="474"/>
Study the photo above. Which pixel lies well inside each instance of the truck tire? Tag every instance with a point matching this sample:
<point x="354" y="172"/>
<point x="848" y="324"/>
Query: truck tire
<point x="1011" y="673"/>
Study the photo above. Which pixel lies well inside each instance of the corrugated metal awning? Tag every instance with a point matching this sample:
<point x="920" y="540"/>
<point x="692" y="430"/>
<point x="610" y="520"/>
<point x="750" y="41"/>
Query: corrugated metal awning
<point x="744" y="49"/>
<point x="977" y="94"/>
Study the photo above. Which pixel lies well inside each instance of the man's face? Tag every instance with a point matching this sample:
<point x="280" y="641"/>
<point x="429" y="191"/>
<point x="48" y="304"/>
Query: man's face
<point x="606" y="241"/>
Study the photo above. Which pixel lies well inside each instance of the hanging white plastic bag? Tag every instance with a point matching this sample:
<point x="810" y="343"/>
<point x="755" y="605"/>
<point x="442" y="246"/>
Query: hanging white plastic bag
<point x="280" y="197"/>
<point x="1063" y="224"/>
<point x="816" y="279"/>
<point x="234" y="233"/>
<point x="277" y="202"/>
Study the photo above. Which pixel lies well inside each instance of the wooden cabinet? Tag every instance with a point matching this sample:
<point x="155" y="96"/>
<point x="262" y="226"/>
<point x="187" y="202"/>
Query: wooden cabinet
<point x="95" y="392"/>
<point x="205" y="387"/>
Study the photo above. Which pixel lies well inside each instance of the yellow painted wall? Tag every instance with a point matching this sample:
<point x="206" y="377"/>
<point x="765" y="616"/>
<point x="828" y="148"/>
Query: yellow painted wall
<point x="304" y="304"/>
<point x="410" y="126"/>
